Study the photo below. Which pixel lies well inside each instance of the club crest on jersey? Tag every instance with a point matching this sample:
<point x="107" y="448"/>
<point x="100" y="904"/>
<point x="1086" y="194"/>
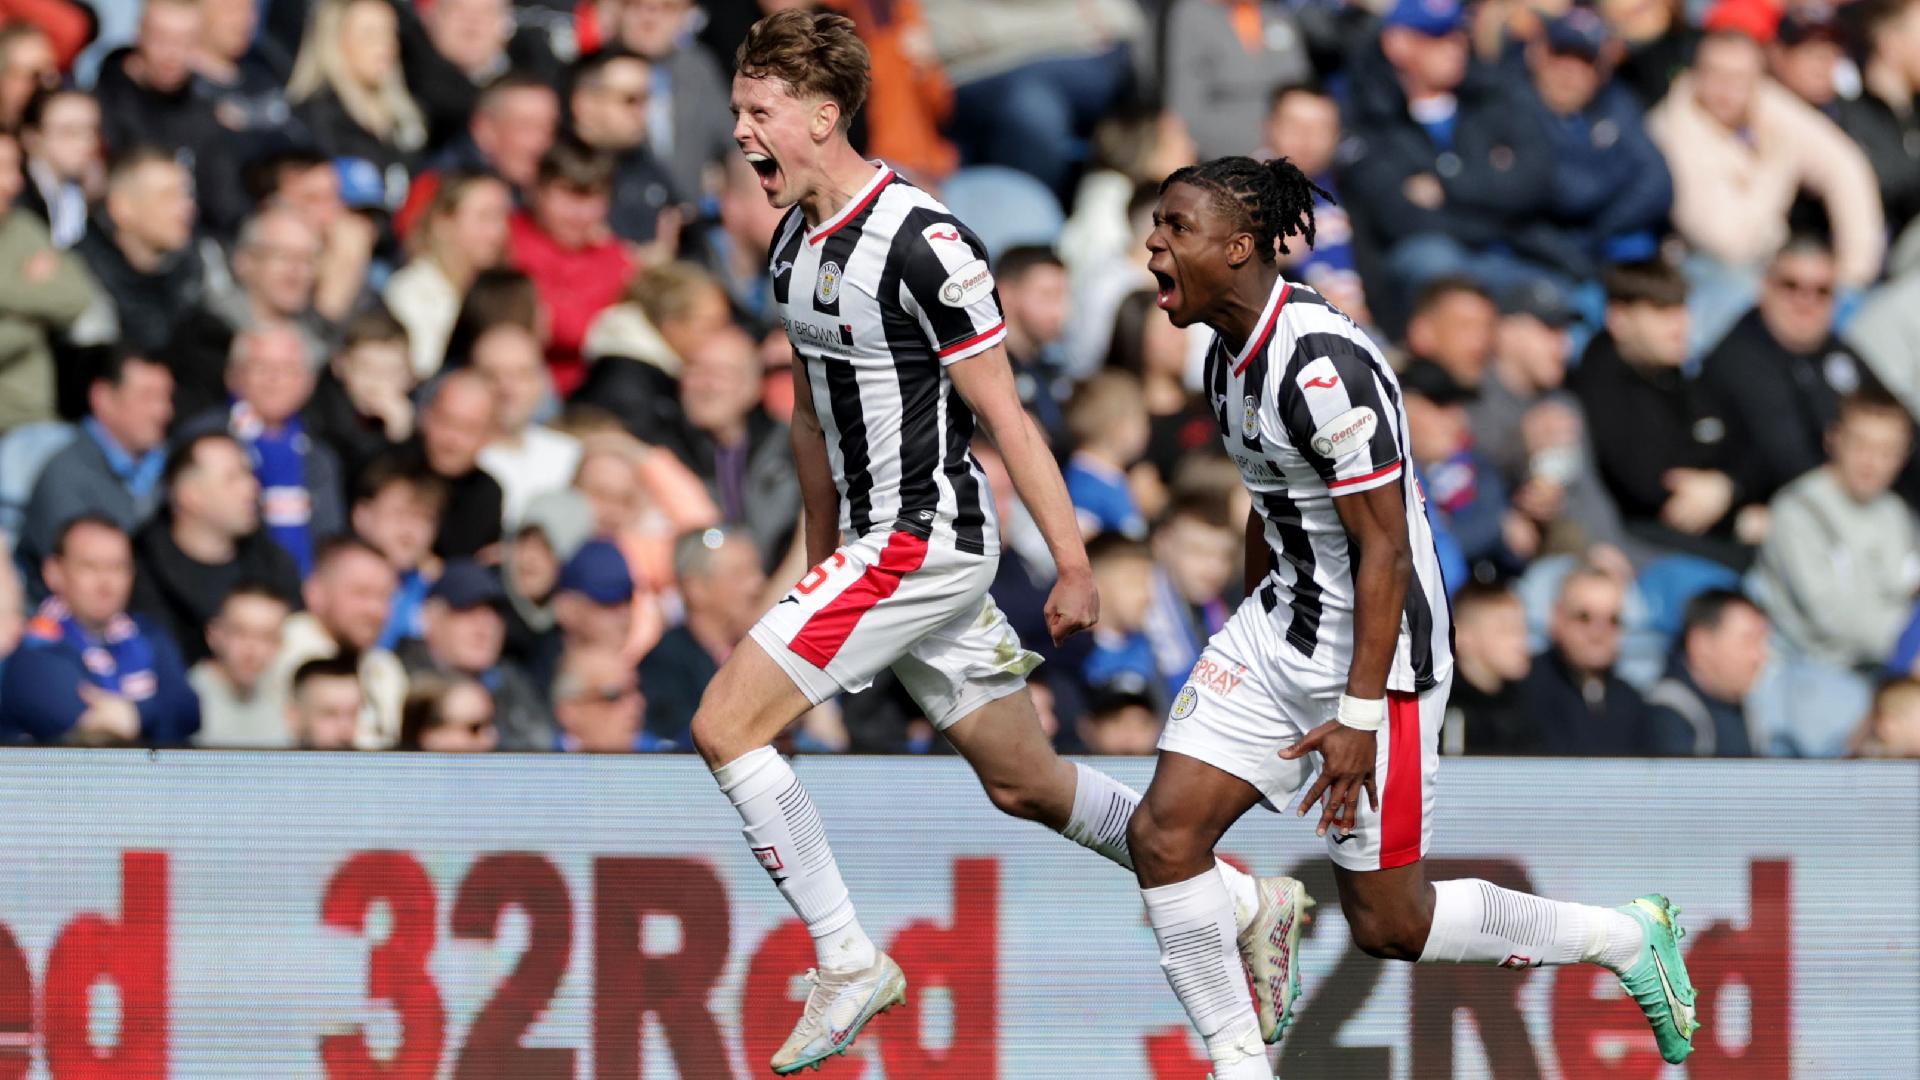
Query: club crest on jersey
<point x="827" y="289"/>
<point x="1184" y="704"/>
<point x="1250" y="418"/>
<point x="1350" y="428"/>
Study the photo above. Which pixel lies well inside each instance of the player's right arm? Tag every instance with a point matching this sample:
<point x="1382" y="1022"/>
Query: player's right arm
<point x="819" y="498"/>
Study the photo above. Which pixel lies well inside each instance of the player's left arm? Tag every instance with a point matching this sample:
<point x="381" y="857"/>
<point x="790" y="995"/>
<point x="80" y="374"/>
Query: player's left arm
<point x="1339" y="413"/>
<point x="946" y="285"/>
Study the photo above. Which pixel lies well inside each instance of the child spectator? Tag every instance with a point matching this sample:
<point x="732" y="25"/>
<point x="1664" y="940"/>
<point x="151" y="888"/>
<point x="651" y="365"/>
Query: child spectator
<point x="1120" y="722"/>
<point x="1460" y="484"/>
<point x="527" y="459"/>
<point x="362" y="404"/>
<point x="1838" y="570"/>
<point x="565" y="245"/>
<point x="323" y="705"/>
<point x="1486" y="713"/>
<point x="1197" y="554"/>
<point x="1122" y="656"/>
<point x="1107" y="420"/>
<point x="396" y="509"/>
<point x="1892" y="727"/>
<point x="239" y="708"/>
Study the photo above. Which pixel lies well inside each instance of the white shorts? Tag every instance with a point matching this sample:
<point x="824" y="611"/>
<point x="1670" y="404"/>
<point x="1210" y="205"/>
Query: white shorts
<point x="894" y="600"/>
<point x="1252" y="695"/>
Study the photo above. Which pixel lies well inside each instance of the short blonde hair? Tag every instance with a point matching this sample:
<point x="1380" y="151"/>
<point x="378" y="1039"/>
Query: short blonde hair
<point x="1103" y="403"/>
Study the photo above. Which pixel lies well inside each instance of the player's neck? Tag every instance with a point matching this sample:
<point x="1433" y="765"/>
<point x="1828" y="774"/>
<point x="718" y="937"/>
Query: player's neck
<point x="1238" y="316"/>
<point x="842" y="174"/>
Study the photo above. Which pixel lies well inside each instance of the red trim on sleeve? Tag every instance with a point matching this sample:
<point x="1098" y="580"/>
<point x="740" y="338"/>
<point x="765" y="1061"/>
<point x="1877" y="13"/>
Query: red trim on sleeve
<point x="961" y="346"/>
<point x="1401" y="804"/>
<point x="1374" y="475"/>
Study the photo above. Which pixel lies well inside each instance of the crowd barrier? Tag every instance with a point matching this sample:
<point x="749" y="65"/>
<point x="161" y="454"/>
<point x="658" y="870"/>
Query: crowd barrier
<point x="405" y="917"/>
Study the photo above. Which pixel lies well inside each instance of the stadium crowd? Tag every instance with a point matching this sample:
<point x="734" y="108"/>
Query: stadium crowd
<point x="405" y="373"/>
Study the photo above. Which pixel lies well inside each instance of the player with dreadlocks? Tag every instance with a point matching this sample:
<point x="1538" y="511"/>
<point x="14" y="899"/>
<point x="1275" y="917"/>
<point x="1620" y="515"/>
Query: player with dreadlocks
<point x="1341" y="651"/>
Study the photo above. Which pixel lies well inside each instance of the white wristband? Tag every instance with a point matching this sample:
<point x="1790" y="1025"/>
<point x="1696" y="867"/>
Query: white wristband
<point x="1361" y="714"/>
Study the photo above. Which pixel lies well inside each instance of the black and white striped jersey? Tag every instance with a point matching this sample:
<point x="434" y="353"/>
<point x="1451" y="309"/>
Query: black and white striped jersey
<point x="1309" y="410"/>
<point x="878" y="301"/>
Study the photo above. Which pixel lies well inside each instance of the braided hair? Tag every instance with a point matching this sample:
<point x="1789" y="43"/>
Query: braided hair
<point x="1271" y="199"/>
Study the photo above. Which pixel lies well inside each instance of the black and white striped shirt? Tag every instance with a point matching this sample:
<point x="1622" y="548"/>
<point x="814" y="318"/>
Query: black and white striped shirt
<point x="1309" y="410"/>
<point x="878" y="301"/>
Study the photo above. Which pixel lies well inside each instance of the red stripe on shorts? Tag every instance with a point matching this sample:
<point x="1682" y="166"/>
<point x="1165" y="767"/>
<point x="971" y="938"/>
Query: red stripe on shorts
<point x="823" y="635"/>
<point x="1400" y="802"/>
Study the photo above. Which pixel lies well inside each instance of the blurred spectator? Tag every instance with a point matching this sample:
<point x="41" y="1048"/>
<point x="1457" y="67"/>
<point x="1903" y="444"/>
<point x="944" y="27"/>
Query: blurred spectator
<point x="1303" y="126"/>
<point x="463" y="232"/>
<point x="112" y="468"/>
<point x="1892" y="727"/>
<point x="592" y="608"/>
<point x="1120" y="722"/>
<point x="1657" y="41"/>
<point x="720" y="582"/>
<point x="1611" y="190"/>
<point x="1698" y="709"/>
<point x="27" y="66"/>
<point x="397" y="507"/>
<point x="1779" y="374"/>
<point x="471" y="35"/>
<point x="206" y="541"/>
<point x="1108" y="425"/>
<point x="324" y="704"/>
<point x="1885" y="331"/>
<point x="564" y="244"/>
<point x="1661" y="444"/>
<point x="665" y="312"/>
<point x="86" y="671"/>
<point x="736" y="252"/>
<point x="273" y="264"/>
<point x="141" y="252"/>
<point x="1487" y="710"/>
<point x="1132" y="147"/>
<point x="350" y="91"/>
<point x="361" y="403"/>
<point x="513" y="127"/>
<point x="60" y="137"/>
<point x="146" y="92"/>
<point x="1462" y="486"/>
<point x="527" y="459"/>
<point x="316" y="188"/>
<point x="596" y="698"/>
<point x="608" y="110"/>
<point x="688" y="122"/>
<point x="1575" y="702"/>
<point x="742" y="455"/>
<point x="554" y="528"/>
<point x="1197" y="552"/>
<point x="464" y="633"/>
<point x="456" y="420"/>
<point x="1122" y="656"/>
<point x="1805" y="57"/>
<point x="1452" y="327"/>
<point x="239" y="80"/>
<point x="1881" y="118"/>
<point x="1441" y="161"/>
<point x="1741" y="148"/>
<point x="302" y="498"/>
<point x="1101" y="285"/>
<point x="1527" y="364"/>
<point x="642" y="499"/>
<point x="346" y="600"/>
<point x="1150" y="348"/>
<point x="46" y="291"/>
<point x="1220" y="62"/>
<point x="449" y="716"/>
<point x="1838" y="571"/>
<point x="911" y="101"/>
<point x="239" y="709"/>
<point x="1031" y="77"/>
<point x="1033" y="295"/>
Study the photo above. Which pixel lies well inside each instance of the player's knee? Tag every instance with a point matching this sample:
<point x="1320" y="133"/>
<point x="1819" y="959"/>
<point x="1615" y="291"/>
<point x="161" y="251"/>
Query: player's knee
<point x="714" y="737"/>
<point x="1387" y="935"/>
<point x="1015" y="798"/>
<point x="1158" y="851"/>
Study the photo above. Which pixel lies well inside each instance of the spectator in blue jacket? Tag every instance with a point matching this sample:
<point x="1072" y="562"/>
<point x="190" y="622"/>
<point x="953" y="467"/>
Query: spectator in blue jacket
<point x="1611" y="189"/>
<point x="87" y="671"/>
<point x="1460" y="483"/>
<point x="1441" y="161"/>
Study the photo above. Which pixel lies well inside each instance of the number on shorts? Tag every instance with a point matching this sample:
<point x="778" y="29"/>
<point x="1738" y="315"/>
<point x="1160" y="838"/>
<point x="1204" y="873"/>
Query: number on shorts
<point x="818" y="575"/>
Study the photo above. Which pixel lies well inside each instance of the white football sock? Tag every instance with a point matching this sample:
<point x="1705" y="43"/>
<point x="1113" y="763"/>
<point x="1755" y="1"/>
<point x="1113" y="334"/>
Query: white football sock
<point x="1193" y="921"/>
<point x="790" y="841"/>
<point x="1102" y="806"/>
<point x="1478" y="922"/>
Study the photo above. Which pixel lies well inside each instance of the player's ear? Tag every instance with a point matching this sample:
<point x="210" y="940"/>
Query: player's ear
<point x="826" y="117"/>
<point x="1239" y="249"/>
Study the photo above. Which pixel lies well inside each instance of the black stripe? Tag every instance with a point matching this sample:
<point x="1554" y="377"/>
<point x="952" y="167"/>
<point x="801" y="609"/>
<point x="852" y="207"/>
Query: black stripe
<point x="917" y="370"/>
<point x="837" y="253"/>
<point x="787" y="253"/>
<point x="920" y="267"/>
<point x="843" y="396"/>
<point x="970" y="517"/>
<point x="1219" y="363"/>
<point x="1296" y="548"/>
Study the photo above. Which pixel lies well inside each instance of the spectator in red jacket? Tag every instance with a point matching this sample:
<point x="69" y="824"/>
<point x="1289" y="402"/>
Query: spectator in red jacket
<point x="563" y="242"/>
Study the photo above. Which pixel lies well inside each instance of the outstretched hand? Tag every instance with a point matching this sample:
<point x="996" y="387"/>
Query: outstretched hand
<point x="1347" y="759"/>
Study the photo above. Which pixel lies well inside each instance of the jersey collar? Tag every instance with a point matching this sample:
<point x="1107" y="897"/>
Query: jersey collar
<point x="1268" y="317"/>
<point x="855" y="206"/>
